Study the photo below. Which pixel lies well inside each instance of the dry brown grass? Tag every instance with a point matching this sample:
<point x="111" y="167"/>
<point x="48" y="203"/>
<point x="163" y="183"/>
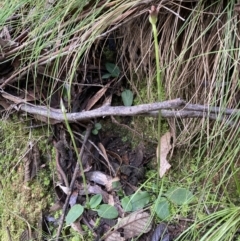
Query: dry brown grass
<point x="197" y="57"/>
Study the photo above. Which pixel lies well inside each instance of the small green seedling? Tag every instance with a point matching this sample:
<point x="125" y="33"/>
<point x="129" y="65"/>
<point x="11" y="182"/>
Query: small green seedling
<point x="174" y="196"/>
<point x="135" y="202"/>
<point x="96" y="128"/>
<point x="113" y="71"/>
<point x="127" y="97"/>
<point x="103" y="210"/>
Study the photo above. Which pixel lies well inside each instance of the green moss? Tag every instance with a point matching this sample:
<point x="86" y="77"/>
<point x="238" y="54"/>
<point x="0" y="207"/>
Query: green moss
<point x="20" y="203"/>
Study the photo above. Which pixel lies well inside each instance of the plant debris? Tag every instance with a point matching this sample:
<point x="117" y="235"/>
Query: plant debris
<point x="78" y="70"/>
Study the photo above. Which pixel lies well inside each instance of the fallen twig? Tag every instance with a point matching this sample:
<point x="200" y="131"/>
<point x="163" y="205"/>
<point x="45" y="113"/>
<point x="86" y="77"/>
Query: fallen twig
<point x="169" y="109"/>
<point x="196" y="114"/>
<point x="100" y="112"/>
<point x="176" y="108"/>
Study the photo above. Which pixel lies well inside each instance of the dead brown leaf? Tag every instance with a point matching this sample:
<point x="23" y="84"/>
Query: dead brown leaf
<point x="115" y="236"/>
<point x="164" y="150"/>
<point x="102" y="179"/>
<point x="133" y="225"/>
<point x="97" y="96"/>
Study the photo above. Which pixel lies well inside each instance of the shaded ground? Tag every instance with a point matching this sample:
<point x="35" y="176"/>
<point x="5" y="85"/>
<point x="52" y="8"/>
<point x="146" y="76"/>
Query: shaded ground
<point x="66" y="71"/>
<point x="114" y="153"/>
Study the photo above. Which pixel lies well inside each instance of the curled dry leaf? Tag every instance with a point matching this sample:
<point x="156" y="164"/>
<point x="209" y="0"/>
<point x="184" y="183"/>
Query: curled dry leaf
<point x="73" y="198"/>
<point x="102" y="179"/>
<point x="133" y="225"/>
<point x="164" y="150"/>
<point x="63" y="188"/>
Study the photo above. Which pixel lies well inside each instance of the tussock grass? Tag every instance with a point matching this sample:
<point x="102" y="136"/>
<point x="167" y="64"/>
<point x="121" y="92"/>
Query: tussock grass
<point x="199" y="60"/>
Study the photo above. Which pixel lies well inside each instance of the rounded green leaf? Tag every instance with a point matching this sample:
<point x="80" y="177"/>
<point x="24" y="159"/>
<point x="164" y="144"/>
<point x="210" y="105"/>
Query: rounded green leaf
<point x="127" y="97"/>
<point x="139" y="200"/>
<point x="126" y="204"/>
<point x="74" y="213"/>
<point x="95" y="131"/>
<point x="179" y="195"/>
<point x="163" y="208"/>
<point x="98" y="126"/>
<point x="107" y="211"/>
<point x="95" y="200"/>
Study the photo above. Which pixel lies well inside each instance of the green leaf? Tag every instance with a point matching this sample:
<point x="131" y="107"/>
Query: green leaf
<point x="162" y="208"/>
<point x="76" y="238"/>
<point x="66" y="91"/>
<point x="95" y="131"/>
<point x="139" y="200"/>
<point x="127" y="97"/>
<point x="116" y="185"/>
<point x="95" y="201"/>
<point x="179" y="195"/>
<point x="98" y="126"/>
<point x="113" y="69"/>
<point x="106" y="76"/>
<point x="126" y="204"/>
<point x="74" y="213"/>
<point x="63" y="109"/>
<point x="107" y="211"/>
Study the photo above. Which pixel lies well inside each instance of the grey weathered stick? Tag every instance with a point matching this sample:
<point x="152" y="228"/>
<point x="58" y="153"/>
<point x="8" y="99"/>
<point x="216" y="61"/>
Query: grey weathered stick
<point x="100" y="112"/>
<point x="210" y="109"/>
<point x="186" y="111"/>
<point x="179" y="109"/>
<point x="196" y="114"/>
<point x="186" y="114"/>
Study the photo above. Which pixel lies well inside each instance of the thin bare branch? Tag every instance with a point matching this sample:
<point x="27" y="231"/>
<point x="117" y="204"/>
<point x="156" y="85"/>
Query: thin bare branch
<point x="100" y="112"/>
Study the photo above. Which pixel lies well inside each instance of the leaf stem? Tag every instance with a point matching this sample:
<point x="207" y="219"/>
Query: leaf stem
<point x="153" y="20"/>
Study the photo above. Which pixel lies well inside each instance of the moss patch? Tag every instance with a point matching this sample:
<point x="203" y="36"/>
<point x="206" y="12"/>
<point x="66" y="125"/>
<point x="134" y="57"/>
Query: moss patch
<point x="21" y="203"/>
